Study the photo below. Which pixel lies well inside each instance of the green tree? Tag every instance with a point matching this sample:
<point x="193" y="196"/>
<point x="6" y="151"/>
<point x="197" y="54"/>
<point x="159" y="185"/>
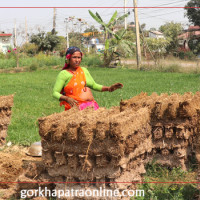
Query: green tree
<point x="194" y="45"/>
<point x="171" y="31"/>
<point x="113" y="40"/>
<point x="76" y="39"/>
<point x="131" y="37"/>
<point x="61" y="46"/>
<point x="45" y="41"/>
<point x="29" y="48"/>
<point x="157" y="47"/>
<point x="91" y="29"/>
<point x="193" y="11"/>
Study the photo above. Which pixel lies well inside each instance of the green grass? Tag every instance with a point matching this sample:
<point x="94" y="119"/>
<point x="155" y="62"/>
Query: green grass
<point x="172" y="190"/>
<point x="42" y="60"/>
<point x="33" y="93"/>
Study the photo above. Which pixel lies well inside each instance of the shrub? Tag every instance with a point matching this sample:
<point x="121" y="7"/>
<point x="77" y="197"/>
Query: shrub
<point x="33" y="67"/>
<point x="171" y="68"/>
<point x="92" y="61"/>
<point x="2" y="55"/>
<point x="185" y="54"/>
<point x="30" y="49"/>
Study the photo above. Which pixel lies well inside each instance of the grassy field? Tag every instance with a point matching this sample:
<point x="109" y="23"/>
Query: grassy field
<point x="42" y="60"/>
<point x="33" y="93"/>
<point x="33" y="99"/>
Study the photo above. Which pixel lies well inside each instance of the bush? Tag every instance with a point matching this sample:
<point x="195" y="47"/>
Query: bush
<point x="30" y="49"/>
<point x="33" y="67"/>
<point x="2" y="55"/>
<point x="92" y="61"/>
<point x="171" y="68"/>
<point x="184" y="54"/>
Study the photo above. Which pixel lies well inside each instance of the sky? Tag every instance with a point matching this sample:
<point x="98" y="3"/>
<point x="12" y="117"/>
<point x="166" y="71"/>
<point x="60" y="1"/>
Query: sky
<point x="41" y="19"/>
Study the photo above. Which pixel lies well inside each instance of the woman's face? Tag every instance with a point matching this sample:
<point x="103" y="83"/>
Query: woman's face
<point x="75" y="60"/>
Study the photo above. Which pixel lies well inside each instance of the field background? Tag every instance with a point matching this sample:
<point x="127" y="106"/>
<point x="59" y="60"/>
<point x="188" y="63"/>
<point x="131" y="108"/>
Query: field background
<point x="33" y="93"/>
<point x="33" y="99"/>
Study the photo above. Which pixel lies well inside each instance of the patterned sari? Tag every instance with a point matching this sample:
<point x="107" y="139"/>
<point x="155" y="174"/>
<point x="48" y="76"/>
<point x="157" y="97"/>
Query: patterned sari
<point x="74" y="88"/>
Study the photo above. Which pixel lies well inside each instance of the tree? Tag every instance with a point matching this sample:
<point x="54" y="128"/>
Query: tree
<point x="75" y="39"/>
<point x="171" y="31"/>
<point x="29" y="48"/>
<point x="45" y="41"/>
<point x="193" y="11"/>
<point x="157" y="47"/>
<point x="194" y="45"/>
<point x="61" y="46"/>
<point x="113" y="40"/>
<point x="91" y="29"/>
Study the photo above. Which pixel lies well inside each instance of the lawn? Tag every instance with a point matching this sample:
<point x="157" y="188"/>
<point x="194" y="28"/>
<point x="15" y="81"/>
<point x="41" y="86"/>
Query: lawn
<point x="33" y="93"/>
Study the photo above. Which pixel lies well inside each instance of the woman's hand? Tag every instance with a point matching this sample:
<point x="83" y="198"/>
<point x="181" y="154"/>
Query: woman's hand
<point x="115" y="87"/>
<point x="72" y="102"/>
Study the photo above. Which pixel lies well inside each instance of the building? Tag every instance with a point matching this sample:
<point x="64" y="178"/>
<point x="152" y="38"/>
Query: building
<point x="5" y="42"/>
<point x="156" y="34"/>
<point x="193" y="32"/>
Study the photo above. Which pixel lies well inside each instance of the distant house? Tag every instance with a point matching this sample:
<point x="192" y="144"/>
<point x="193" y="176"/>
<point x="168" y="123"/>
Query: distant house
<point x="5" y="42"/>
<point x="191" y="33"/>
<point x="156" y="34"/>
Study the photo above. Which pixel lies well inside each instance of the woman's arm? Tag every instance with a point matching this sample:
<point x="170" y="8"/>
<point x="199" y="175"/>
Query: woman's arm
<point x="72" y="102"/>
<point x="112" y="87"/>
<point x="93" y="85"/>
<point x="61" y="80"/>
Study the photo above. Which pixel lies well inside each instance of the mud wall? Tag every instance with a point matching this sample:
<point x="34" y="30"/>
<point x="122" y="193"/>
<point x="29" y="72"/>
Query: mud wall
<point x="6" y="104"/>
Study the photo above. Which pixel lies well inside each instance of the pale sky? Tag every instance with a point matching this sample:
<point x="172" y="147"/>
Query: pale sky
<point x="43" y="17"/>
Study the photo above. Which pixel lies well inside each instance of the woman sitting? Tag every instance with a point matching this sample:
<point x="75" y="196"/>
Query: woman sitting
<point x="73" y="83"/>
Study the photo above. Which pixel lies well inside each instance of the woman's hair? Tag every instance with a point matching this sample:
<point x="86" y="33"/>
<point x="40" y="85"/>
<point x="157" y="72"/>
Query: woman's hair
<point x="69" y="53"/>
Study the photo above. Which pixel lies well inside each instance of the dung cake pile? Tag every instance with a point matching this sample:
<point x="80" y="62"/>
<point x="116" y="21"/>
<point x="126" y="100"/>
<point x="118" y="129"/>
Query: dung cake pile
<point x="109" y="148"/>
<point x="95" y="146"/>
<point x="174" y="124"/>
<point x="6" y="103"/>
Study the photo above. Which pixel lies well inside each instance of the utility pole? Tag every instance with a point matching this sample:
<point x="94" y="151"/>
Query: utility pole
<point x="15" y="40"/>
<point x="54" y="21"/>
<point x="137" y="35"/>
<point x="66" y="21"/>
<point x="26" y="30"/>
<point x="125" y="20"/>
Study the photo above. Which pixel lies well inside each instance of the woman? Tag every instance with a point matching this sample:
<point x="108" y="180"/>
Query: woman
<point x="73" y="83"/>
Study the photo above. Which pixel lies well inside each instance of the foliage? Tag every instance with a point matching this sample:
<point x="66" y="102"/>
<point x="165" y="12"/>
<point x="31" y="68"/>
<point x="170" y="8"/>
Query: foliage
<point x="167" y="191"/>
<point x="92" y="61"/>
<point x="194" y="45"/>
<point x="112" y="44"/>
<point x="33" y="67"/>
<point x="193" y="11"/>
<point x="61" y="46"/>
<point x="45" y="41"/>
<point x="2" y="55"/>
<point x="157" y="47"/>
<point x="185" y="54"/>
<point x="171" y="31"/>
<point x="41" y="60"/>
<point x="128" y="36"/>
<point x="75" y="39"/>
<point x="46" y="60"/>
<point x="91" y="29"/>
<point x="30" y="49"/>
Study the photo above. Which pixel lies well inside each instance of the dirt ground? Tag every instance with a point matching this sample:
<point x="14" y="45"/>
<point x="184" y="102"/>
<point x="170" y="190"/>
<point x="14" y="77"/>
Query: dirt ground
<point x="11" y="162"/>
